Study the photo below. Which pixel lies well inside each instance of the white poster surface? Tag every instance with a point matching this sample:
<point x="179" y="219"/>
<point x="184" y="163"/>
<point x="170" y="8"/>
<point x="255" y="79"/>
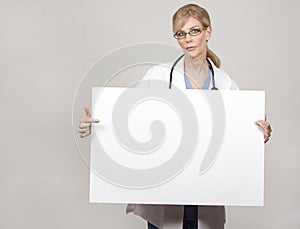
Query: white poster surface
<point x="158" y="146"/>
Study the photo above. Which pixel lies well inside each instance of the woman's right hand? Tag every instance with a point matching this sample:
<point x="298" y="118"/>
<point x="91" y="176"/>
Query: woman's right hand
<point x="84" y="129"/>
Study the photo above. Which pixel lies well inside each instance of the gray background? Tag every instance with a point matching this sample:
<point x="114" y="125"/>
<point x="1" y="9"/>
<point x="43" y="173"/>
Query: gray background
<point x="47" y="46"/>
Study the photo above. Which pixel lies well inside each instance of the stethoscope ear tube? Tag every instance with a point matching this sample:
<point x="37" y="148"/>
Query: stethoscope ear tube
<point x="213" y="75"/>
<point x="210" y="67"/>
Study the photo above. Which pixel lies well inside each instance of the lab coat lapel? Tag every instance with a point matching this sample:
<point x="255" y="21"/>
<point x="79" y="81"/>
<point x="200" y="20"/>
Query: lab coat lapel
<point x="178" y="75"/>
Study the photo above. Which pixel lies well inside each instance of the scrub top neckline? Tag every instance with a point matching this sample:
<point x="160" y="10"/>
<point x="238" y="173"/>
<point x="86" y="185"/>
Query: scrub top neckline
<point x="205" y="85"/>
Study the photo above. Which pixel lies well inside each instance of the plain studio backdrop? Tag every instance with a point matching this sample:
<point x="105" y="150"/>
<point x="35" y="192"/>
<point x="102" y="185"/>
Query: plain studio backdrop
<point x="47" y="46"/>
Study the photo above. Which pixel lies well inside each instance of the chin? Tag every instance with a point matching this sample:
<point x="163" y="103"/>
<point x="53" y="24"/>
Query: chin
<point x="192" y="55"/>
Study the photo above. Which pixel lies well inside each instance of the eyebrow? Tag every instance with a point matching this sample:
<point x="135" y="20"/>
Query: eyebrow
<point x="195" y="26"/>
<point x="190" y="28"/>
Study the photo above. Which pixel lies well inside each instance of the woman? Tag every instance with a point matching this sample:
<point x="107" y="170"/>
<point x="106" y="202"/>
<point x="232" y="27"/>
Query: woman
<point x="192" y="29"/>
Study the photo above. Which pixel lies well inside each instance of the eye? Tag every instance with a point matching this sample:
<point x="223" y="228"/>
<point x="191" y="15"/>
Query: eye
<point x="195" y="31"/>
<point x="180" y="34"/>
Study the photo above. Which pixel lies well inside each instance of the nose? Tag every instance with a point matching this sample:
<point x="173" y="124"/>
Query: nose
<point x="188" y="38"/>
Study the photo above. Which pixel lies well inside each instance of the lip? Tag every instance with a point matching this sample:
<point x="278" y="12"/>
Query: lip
<point x="190" y="48"/>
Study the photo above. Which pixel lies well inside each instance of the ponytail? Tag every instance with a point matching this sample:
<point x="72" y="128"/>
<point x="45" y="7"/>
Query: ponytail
<point x="215" y="59"/>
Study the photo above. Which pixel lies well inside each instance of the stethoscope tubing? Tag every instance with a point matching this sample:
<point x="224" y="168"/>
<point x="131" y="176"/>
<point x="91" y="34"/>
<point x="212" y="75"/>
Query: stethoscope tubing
<point x="210" y="67"/>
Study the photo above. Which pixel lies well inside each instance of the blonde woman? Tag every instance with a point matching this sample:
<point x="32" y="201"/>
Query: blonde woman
<point x="201" y="67"/>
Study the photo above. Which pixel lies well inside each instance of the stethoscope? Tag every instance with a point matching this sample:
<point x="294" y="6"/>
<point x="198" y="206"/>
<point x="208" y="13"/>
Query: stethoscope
<point x="210" y="67"/>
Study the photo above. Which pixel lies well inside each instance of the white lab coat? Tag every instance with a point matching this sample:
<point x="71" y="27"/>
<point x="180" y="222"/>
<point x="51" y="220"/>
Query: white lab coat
<point x="171" y="216"/>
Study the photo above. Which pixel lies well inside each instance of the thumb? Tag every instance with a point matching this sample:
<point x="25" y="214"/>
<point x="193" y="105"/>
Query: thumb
<point x="87" y="110"/>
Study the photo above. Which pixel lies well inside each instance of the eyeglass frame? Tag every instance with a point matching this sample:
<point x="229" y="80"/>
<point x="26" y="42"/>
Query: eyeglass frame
<point x="189" y="33"/>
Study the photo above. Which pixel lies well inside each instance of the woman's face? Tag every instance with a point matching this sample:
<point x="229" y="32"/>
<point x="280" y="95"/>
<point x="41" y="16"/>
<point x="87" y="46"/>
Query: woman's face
<point x="194" y="46"/>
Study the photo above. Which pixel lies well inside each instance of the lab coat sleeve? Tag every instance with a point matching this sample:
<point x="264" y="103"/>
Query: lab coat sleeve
<point x="233" y="86"/>
<point x="144" y="82"/>
<point x="156" y="77"/>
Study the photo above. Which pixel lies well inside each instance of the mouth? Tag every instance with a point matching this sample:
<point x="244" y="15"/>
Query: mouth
<point x="191" y="48"/>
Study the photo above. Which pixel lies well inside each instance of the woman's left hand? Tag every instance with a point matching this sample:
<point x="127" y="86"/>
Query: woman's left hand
<point x="266" y="127"/>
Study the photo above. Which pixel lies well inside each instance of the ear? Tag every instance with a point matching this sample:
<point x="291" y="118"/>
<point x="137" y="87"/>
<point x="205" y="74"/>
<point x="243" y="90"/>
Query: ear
<point x="208" y="33"/>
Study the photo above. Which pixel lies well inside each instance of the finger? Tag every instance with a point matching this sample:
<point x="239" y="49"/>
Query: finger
<point x="264" y="127"/>
<point x="260" y="123"/>
<point x="83" y="130"/>
<point x="267" y="136"/>
<point x="85" y="125"/>
<point x="266" y="139"/>
<point x="87" y="111"/>
<point x="267" y="123"/>
<point x="263" y="124"/>
<point x="89" y="120"/>
<point x="83" y="135"/>
<point x="267" y="133"/>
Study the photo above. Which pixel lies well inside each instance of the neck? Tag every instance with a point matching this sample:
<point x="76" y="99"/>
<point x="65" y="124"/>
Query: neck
<point x="196" y="70"/>
<point x="194" y="62"/>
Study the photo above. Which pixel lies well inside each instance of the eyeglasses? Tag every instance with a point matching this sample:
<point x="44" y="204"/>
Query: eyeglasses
<point x="193" y="32"/>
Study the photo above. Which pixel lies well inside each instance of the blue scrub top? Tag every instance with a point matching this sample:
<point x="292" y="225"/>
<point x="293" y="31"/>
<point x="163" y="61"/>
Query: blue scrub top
<point x="205" y="85"/>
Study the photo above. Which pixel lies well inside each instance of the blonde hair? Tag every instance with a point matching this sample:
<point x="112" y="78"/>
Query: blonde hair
<point x="193" y="10"/>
